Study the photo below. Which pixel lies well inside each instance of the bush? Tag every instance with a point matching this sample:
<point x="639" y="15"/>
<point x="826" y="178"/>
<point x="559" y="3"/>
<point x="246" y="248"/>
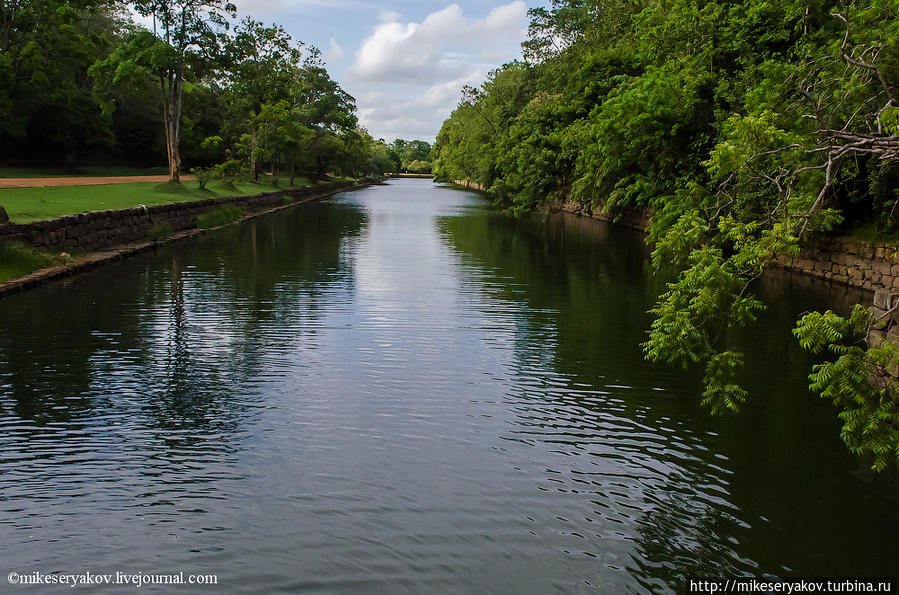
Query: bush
<point x="219" y="216"/>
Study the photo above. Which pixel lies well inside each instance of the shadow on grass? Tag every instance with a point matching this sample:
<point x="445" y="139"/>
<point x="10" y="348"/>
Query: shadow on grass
<point x="172" y="187"/>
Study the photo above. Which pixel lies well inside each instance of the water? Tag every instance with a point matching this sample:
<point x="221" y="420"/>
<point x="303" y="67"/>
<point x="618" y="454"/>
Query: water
<point x="395" y="390"/>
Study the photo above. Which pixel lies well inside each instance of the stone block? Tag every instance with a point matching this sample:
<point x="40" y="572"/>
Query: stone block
<point x="882" y="266"/>
<point x="806" y="264"/>
<point x="893" y="334"/>
<point x="876" y="338"/>
<point x="883" y="299"/>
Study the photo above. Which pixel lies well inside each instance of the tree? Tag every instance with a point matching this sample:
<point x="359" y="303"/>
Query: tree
<point x="47" y="107"/>
<point x="263" y="64"/>
<point x="328" y="111"/>
<point x="184" y="44"/>
<point x="746" y="127"/>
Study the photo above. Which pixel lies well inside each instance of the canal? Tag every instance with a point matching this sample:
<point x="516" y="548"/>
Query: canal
<point x="398" y="390"/>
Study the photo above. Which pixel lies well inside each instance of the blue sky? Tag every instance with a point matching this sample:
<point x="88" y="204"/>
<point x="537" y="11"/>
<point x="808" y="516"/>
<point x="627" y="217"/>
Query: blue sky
<point x="405" y="62"/>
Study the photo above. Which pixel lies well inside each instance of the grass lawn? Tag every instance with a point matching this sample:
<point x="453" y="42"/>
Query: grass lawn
<point x="61" y="172"/>
<point x="32" y="204"/>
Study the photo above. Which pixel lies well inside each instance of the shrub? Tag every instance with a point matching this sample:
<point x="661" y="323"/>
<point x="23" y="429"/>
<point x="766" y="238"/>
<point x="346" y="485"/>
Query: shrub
<point x="219" y="216"/>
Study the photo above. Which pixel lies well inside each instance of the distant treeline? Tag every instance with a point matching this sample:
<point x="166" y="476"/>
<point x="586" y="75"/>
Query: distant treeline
<point x="746" y="126"/>
<point x="411" y="156"/>
<point x="81" y="82"/>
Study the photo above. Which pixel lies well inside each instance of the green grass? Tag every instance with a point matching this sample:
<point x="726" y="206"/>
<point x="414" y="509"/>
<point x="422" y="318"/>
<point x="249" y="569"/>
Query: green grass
<point x="17" y="260"/>
<point x="33" y="204"/>
<point x="73" y="172"/>
<point x="219" y="216"/>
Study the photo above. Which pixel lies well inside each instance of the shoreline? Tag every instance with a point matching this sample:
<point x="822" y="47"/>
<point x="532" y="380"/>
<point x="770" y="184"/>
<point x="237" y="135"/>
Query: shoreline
<point x="118" y="251"/>
<point x="855" y="264"/>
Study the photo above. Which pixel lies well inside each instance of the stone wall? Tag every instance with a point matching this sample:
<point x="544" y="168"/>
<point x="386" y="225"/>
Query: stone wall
<point x="469" y="184"/>
<point x="863" y="265"/>
<point x="88" y="232"/>
<point x="632" y="218"/>
<point x="866" y="265"/>
<point x="886" y="311"/>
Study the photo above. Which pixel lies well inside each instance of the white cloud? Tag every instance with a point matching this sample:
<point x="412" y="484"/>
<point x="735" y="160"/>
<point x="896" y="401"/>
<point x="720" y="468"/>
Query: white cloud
<point x="407" y="77"/>
<point x="433" y="48"/>
<point x="334" y="54"/>
<point x="389" y="16"/>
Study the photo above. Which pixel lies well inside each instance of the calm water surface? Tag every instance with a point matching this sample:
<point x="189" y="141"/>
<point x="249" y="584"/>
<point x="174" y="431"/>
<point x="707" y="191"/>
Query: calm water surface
<point x="395" y="390"/>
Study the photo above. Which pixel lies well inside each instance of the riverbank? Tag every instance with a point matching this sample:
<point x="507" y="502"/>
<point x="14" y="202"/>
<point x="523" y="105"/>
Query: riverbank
<point x="857" y="263"/>
<point x="35" y="203"/>
<point x="104" y="236"/>
<point x="865" y="265"/>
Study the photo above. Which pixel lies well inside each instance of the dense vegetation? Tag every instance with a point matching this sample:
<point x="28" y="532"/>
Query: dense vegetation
<point x="81" y="82"/>
<point x="411" y="156"/>
<point x="746" y="127"/>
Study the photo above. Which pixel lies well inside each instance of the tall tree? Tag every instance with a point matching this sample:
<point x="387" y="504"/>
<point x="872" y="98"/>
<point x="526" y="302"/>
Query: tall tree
<point x="184" y="44"/>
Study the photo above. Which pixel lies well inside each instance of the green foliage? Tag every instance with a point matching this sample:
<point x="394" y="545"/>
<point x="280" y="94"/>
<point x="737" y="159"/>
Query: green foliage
<point x="857" y="382"/>
<point x="47" y="107"/>
<point x="710" y="296"/>
<point x="17" y="260"/>
<point x="407" y="152"/>
<point x="890" y="120"/>
<point x="79" y="80"/>
<point x="203" y="175"/>
<point x="159" y="231"/>
<point x="220" y="215"/>
<point x="744" y="126"/>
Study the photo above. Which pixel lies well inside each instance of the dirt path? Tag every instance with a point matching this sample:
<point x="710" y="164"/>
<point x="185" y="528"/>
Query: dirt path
<point x="86" y="181"/>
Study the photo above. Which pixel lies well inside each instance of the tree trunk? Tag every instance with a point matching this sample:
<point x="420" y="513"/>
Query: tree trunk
<point x="292" y="174"/>
<point x="171" y="120"/>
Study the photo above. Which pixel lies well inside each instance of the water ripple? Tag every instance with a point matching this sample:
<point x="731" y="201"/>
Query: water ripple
<point x="393" y="391"/>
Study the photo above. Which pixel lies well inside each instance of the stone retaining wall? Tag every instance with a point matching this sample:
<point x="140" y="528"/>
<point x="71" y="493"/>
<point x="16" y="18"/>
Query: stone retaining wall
<point x="864" y="265"/>
<point x="469" y="184"/>
<point x="88" y="232"/>
<point x="632" y="218"/>
<point x="867" y="265"/>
